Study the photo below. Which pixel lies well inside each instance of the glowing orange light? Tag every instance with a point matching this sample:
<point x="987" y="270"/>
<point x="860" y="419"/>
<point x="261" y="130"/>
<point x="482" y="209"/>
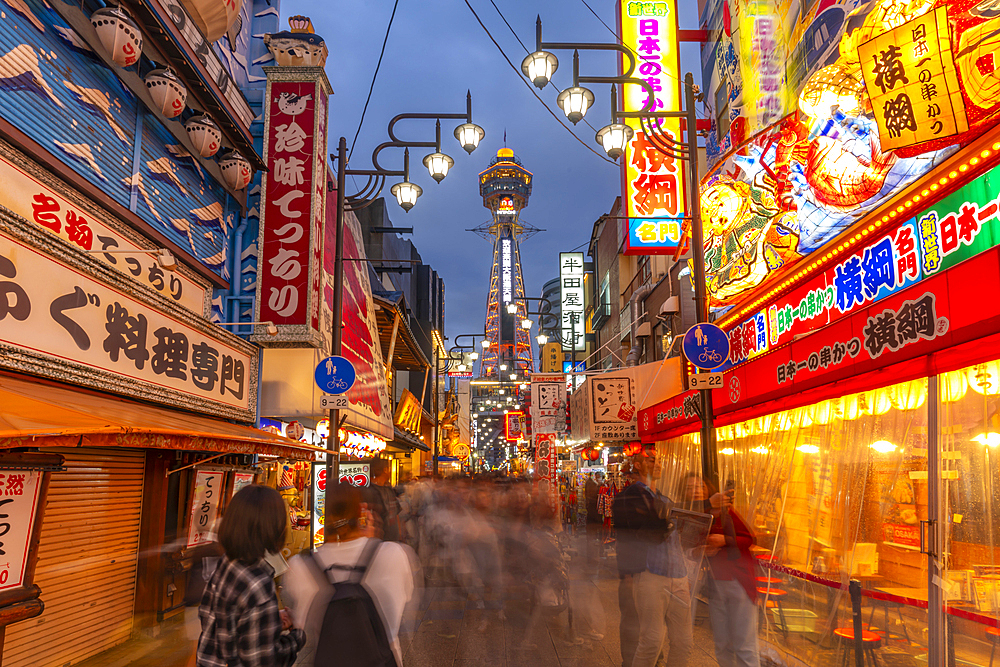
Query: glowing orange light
<point x="974" y="161"/>
<point x="908" y="205"/>
<point x="964" y="168"/>
<point x="892" y="214"/>
<point x="944" y="180"/>
<point x="864" y="232"/>
<point x="996" y="146"/>
<point x="953" y="174"/>
<point x="985" y="154"/>
<point x="925" y="193"/>
<point x="934" y="187"/>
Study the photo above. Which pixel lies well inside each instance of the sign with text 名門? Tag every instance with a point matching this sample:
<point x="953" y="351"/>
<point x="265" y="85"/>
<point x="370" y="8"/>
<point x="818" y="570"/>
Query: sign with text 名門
<point x="204" y="507"/>
<point x="19" y="491"/>
<point x="85" y="226"/>
<point x="572" y="295"/>
<point x="293" y="206"/>
<point x="653" y="181"/>
<point x="653" y="237"/>
<point x="910" y="78"/>
<point x="63" y="322"/>
<point x="548" y="403"/>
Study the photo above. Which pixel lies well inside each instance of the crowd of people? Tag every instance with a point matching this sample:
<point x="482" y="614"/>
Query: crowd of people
<point x="497" y="540"/>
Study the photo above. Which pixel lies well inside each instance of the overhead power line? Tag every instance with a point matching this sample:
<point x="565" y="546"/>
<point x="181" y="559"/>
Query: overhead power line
<point x="374" y="76"/>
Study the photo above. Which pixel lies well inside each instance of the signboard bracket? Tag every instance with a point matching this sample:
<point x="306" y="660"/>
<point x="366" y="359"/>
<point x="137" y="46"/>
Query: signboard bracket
<point x="196" y="463"/>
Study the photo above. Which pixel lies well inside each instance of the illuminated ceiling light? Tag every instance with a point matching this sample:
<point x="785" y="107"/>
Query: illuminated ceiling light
<point x="574" y="102"/>
<point x="808" y="449"/>
<point x="990" y="439"/>
<point x="469" y="135"/>
<point x="883" y="446"/>
<point x="503" y="367"/>
<point x="614" y="138"/>
<point x="513" y="376"/>
<point x="996" y="146"/>
<point x="934" y="187"/>
<point x="892" y="214"/>
<point x="406" y="194"/>
<point x="953" y="174"/>
<point x="438" y="165"/>
<point x="916" y="198"/>
<point x="473" y="355"/>
<point x="964" y="168"/>
<point x="539" y="67"/>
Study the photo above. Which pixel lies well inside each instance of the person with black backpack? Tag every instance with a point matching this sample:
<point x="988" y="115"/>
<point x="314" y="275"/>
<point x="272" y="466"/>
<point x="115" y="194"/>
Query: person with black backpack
<point x="350" y="593"/>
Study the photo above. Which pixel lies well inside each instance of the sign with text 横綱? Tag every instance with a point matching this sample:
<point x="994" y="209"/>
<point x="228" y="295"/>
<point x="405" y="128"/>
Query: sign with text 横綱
<point x="293" y="206"/>
<point x="81" y="322"/>
<point x="653" y="181"/>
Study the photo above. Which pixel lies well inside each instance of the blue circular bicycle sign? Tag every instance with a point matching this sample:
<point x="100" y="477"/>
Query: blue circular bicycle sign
<point x="706" y="346"/>
<point x="335" y="375"/>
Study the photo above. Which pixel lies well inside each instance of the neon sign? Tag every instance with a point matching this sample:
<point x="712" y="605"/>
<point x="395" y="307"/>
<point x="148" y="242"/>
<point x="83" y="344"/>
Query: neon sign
<point x="652" y="237"/>
<point x="571" y="286"/>
<point x="506" y="269"/>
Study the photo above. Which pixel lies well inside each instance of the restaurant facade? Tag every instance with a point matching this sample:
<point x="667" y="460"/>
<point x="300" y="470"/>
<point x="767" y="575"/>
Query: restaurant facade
<point x="854" y="266"/>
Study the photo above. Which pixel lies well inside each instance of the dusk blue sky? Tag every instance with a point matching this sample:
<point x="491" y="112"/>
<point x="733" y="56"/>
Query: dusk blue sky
<point x="437" y="51"/>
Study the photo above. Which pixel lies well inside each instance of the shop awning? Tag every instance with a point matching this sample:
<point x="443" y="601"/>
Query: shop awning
<point x="405" y="441"/>
<point x="39" y="414"/>
<point x="406" y="353"/>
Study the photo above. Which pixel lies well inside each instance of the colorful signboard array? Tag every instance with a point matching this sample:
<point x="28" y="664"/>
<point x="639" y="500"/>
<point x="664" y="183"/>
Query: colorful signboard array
<point x="293" y="209"/>
<point x="572" y="294"/>
<point x="653" y="185"/>
<point x="911" y="81"/>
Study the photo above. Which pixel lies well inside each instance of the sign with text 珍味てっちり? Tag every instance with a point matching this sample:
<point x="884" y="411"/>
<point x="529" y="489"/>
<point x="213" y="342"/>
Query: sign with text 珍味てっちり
<point x="654" y="182"/>
<point x="293" y="208"/>
<point x="19" y="491"/>
<point x="64" y="323"/>
<point x="910" y="78"/>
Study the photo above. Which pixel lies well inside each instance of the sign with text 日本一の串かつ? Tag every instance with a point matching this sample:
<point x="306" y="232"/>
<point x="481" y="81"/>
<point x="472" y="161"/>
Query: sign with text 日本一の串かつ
<point x="60" y="321"/>
<point x="292" y="206"/>
<point x="654" y="182"/>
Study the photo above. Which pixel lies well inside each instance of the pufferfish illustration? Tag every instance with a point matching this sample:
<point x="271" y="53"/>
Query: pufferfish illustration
<point x="299" y="47"/>
<point x="292" y="104"/>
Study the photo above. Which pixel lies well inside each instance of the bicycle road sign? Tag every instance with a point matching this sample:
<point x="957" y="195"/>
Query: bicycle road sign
<point x="335" y="375"/>
<point x="706" y="346"/>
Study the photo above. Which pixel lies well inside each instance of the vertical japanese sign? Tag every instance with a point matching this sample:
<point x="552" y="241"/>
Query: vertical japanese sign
<point x="546" y="465"/>
<point x="654" y="186"/>
<point x="548" y="403"/>
<point x="910" y="78"/>
<point x="513" y="426"/>
<point x="18" y="504"/>
<point x="571" y="284"/>
<point x="293" y="206"/>
<point x="204" y="506"/>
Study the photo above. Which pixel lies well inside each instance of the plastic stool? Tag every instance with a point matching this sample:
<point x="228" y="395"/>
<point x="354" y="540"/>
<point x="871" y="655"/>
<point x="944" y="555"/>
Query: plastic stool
<point x="993" y="634"/>
<point x="885" y="604"/>
<point x="772" y="598"/>
<point x="869" y="642"/>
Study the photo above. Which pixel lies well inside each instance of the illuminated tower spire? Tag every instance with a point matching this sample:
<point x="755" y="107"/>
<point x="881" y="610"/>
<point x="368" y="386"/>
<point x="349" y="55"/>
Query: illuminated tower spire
<point x="505" y="186"/>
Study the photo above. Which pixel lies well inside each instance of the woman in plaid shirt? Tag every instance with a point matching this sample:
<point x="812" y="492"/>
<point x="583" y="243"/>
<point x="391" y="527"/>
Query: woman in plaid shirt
<point x="241" y="625"/>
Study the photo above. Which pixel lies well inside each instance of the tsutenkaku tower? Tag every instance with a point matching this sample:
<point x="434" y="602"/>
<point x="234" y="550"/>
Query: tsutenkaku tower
<point x="505" y="186"/>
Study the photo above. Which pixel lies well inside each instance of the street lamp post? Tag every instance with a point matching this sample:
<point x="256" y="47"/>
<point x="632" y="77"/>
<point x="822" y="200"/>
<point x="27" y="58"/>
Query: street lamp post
<point x="539" y="67"/>
<point x="469" y="135"/>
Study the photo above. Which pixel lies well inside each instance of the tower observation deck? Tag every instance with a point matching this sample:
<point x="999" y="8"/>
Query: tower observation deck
<point x="505" y="187"/>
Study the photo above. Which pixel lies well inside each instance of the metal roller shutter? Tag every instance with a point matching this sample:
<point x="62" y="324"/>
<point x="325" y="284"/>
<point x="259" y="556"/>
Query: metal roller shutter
<point x="86" y="560"/>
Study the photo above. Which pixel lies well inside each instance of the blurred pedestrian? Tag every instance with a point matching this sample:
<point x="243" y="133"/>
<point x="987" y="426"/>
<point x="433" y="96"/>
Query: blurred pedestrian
<point x="591" y="491"/>
<point x="382" y="501"/>
<point x="733" y="589"/>
<point x="383" y="569"/>
<point x="241" y="625"/>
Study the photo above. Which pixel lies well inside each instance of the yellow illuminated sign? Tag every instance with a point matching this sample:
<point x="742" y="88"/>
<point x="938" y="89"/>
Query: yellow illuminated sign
<point x="408" y="413"/>
<point x="911" y="81"/>
<point x="654" y="183"/>
<point x="552" y="357"/>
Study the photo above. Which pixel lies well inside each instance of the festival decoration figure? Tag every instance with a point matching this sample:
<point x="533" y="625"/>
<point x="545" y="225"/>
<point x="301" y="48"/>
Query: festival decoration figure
<point x="299" y="47"/>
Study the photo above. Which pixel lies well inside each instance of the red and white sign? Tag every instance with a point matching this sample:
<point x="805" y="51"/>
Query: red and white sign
<point x="548" y="402"/>
<point x="292" y="209"/>
<point x="18" y="504"/>
<point x="242" y="479"/>
<point x="546" y="468"/>
<point x="204" y="507"/>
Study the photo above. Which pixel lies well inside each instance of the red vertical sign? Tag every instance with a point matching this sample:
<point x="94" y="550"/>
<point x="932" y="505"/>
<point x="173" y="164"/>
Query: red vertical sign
<point x="293" y="206"/>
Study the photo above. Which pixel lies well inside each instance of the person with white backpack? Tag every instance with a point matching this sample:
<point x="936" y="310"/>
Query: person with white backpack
<point x="350" y="593"/>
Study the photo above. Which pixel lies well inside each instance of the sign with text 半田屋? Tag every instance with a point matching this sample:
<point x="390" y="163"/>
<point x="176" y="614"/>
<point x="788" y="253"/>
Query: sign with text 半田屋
<point x="653" y="181"/>
<point x="911" y="81"/>
<point x="572" y="295"/>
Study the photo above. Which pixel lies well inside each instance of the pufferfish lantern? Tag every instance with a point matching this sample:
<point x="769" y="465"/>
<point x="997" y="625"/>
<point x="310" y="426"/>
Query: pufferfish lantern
<point x="299" y="47"/>
<point x="204" y="134"/>
<point x="236" y="170"/>
<point x="119" y="35"/>
<point x="212" y="17"/>
<point x="168" y="93"/>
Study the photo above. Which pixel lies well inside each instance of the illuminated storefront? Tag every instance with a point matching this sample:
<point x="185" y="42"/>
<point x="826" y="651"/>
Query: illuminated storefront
<point x="852" y="253"/>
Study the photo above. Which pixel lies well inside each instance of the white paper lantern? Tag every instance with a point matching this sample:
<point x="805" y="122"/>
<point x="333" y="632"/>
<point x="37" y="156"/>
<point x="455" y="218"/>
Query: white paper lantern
<point x="168" y="93"/>
<point x="205" y="135"/>
<point x="119" y="35"/>
<point x="236" y="170"/>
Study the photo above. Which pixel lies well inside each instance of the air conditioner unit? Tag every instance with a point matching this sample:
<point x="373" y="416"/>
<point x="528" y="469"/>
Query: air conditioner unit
<point x="670" y="305"/>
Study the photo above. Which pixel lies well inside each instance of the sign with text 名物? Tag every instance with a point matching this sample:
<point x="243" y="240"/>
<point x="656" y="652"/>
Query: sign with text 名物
<point x="293" y="206"/>
<point x="910" y="78"/>
<point x="653" y="181"/>
<point x="572" y="295"/>
<point x="64" y="323"/>
<point x="19" y="491"/>
<point x="548" y="403"/>
<point x="83" y="225"/>
<point x="208" y="488"/>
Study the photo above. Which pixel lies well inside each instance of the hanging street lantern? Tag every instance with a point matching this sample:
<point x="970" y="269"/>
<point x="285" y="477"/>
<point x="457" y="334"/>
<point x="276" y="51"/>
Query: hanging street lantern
<point x="119" y="35"/>
<point x="204" y="134"/>
<point x="212" y="17"/>
<point x="614" y="138"/>
<point x="236" y="170"/>
<point x="574" y="102"/>
<point x="469" y="135"/>
<point x="438" y="165"/>
<point x="406" y="194"/>
<point x="168" y="93"/>
<point x="539" y="67"/>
